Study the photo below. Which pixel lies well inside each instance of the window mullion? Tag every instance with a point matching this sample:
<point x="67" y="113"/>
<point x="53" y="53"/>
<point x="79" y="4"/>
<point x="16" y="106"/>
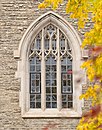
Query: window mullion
<point x="65" y="44"/>
<point x="59" y="102"/>
<point x="43" y="91"/>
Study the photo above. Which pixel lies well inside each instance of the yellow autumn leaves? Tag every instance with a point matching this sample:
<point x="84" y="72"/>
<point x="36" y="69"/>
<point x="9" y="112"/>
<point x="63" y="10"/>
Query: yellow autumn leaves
<point x="94" y="92"/>
<point x="81" y="9"/>
<point x="53" y="3"/>
<point x="93" y="67"/>
<point x="91" y="124"/>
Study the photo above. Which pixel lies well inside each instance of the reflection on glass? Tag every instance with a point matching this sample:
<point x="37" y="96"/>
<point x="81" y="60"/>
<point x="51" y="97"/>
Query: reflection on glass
<point x="46" y="42"/>
<point x="35" y="101"/>
<point x="50" y="42"/>
<point x="67" y="101"/>
<point x="66" y="65"/>
<point x="35" y="72"/>
<point x="62" y="41"/>
<point x="38" y="44"/>
<point x="38" y="104"/>
<point x="51" y="90"/>
<point x="54" y="42"/>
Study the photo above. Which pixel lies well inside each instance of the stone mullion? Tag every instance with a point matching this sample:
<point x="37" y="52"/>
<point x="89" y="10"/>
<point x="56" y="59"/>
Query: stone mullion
<point x="65" y="44"/>
<point x="59" y="102"/>
<point x="43" y="90"/>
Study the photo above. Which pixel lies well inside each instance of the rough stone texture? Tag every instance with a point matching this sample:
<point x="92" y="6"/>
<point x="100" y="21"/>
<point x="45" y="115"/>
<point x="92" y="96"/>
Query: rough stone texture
<point x="15" y="17"/>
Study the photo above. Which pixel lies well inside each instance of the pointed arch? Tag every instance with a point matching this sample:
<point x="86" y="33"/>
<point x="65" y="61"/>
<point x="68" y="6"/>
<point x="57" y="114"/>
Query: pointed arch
<point x="23" y="63"/>
<point x="49" y="17"/>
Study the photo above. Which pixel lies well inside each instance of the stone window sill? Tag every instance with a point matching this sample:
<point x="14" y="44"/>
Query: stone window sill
<point x="38" y="113"/>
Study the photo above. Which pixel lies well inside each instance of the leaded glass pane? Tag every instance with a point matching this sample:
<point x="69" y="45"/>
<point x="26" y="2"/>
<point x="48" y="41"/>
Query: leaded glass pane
<point x="46" y="42"/>
<point x="62" y="41"/>
<point x="35" y="82"/>
<point x="52" y="50"/>
<point x="67" y="86"/>
<point x="67" y="100"/>
<point x="37" y="42"/>
<point x="54" y="42"/>
<point x="51" y="89"/>
<point x="35" y="100"/>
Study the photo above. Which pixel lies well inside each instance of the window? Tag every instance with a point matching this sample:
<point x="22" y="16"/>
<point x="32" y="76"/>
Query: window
<point x="50" y="49"/>
<point x="49" y="54"/>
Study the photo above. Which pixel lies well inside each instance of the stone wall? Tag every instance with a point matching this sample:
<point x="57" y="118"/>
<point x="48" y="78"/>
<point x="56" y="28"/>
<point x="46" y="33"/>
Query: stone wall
<point x="15" y="17"/>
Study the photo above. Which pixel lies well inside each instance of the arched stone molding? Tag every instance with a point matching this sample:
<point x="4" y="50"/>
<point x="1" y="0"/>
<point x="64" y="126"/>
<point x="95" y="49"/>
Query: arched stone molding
<point x="23" y="63"/>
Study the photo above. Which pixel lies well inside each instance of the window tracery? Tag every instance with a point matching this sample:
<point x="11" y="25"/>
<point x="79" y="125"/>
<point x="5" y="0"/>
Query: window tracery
<point x="62" y="42"/>
<point x="55" y="47"/>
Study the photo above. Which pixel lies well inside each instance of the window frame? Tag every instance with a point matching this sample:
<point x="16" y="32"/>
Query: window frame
<point x="62" y="85"/>
<point x="23" y="71"/>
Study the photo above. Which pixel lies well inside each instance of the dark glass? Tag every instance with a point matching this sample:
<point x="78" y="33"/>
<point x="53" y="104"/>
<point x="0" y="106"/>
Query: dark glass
<point x="47" y="82"/>
<point x="32" y="98"/>
<point x="54" y="97"/>
<point x="33" y="83"/>
<point x="69" y="67"/>
<point x="50" y="76"/>
<point x="69" y="82"/>
<point x="38" y="44"/>
<point x="48" y="105"/>
<point x="48" y="97"/>
<point x="38" y="97"/>
<point x="33" y="76"/>
<point x="64" y="97"/>
<point x="62" y="44"/>
<point x="46" y="41"/>
<point x="70" y="105"/>
<point x="64" y="105"/>
<point x="47" y="67"/>
<point x="53" y="82"/>
<point x="48" y="89"/>
<point x="38" y="104"/>
<point x="63" y="68"/>
<point x="33" y="89"/>
<point x="37" y="83"/>
<point x="54" y="90"/>
<point x="53" y="67"/>
<point x="70" y="97"/>
<point x="64" y="83"/>
<point x="54" y="44"/>
<point x="47" y="76"/>
<point x="32" y="68"/>
<point x="32" y="104"/>
<point x="64" y="76"/>
<point x="64" y="89"/>
<point x="54" y="104"/>
<point x="69" y="76"/>
<point x="38" y="89"/>
<point x="37" y="76"/>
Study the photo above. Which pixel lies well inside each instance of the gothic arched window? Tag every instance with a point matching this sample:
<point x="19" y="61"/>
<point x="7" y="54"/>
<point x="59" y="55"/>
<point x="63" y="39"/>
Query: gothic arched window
<point x="51" y="59"/>
<point x="49" y="54"/>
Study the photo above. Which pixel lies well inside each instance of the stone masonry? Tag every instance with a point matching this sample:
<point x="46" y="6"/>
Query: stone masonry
<point x="15" y="18"/>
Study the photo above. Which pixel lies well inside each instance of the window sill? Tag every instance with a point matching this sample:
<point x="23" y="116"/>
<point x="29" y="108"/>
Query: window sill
<point x="38" y="113"/>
